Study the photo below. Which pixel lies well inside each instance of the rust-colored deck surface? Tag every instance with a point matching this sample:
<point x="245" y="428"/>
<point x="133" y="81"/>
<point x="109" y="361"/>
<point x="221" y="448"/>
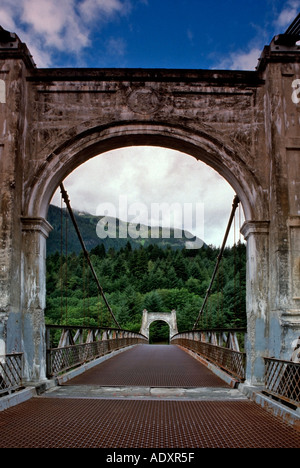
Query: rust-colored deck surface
<point x="53" y="420"/>
<point x="85" y="423"/>
<point x="150" y="366"/>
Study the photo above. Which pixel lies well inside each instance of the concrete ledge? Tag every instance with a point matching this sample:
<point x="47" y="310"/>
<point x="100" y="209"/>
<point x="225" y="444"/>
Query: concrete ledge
<point x="145" y="393"/>
<point x="231" y="381"/>
<point x="16" y="398"/>
<point x="89" y="365"/>
<point x="33" y="389"/>
<point x="290" y="416"/>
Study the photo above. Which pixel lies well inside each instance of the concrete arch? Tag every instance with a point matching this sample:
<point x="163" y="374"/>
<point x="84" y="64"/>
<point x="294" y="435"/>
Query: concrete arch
<point x="208" y="148"/>
<point x="150" y="317"/>
<point x="211" y="148"/>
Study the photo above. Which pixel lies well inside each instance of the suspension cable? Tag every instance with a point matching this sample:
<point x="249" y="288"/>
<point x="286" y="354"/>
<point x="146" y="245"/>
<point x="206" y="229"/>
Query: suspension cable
<point x="235" y="204"/>
<point x="67" y="202"/>
<point x="61" y="261"/>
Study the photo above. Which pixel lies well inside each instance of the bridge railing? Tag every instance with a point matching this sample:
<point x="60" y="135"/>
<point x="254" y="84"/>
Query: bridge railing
<point x="221" y="347"/>
<point x="78" y="345"/>
<point x="282" y="380"/>
<point x="11" y="370"/>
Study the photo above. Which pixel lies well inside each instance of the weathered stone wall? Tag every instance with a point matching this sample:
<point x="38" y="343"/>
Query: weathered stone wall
<point x="243" y="124"/>
<point x="280" y="69"/>
<point x="12" y="123"/>
<point x="208" y="114"/>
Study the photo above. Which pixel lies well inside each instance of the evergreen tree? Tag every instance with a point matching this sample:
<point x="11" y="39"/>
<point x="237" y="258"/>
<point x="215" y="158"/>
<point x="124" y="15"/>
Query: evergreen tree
<point x="147" y="277"/>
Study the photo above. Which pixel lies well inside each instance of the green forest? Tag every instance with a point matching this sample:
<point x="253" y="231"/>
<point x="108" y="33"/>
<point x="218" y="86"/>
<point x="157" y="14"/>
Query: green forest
<point x="147" y="277"/>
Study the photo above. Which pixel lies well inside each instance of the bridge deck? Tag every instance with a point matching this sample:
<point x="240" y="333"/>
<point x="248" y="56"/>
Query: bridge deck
<point x="80" y="414"/>
<point x="150" y="366"/>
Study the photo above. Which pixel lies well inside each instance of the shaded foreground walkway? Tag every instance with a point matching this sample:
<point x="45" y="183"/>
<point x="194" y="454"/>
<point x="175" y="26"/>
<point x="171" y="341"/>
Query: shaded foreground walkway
<point x="87" y="413"/>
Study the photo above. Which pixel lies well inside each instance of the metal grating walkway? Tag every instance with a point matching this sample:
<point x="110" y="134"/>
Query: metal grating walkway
<point x="86" y="423"/>
<point x="150" y="366"/>
<point x="61" y="418"/>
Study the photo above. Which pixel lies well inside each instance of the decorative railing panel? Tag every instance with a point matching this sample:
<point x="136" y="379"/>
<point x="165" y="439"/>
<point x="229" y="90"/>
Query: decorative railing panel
<point x="222" y="350"/>
<point x="72" y="352"/>
<point x="11" y="369"/>
<point x="282" y="380"/>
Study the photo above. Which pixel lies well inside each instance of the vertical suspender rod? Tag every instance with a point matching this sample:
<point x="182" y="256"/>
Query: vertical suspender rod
<point x="67" y="202"/>
<point x="234" y="207"/>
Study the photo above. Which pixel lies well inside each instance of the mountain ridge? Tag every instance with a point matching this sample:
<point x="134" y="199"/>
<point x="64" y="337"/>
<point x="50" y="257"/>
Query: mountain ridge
<point x="110" y="232"/>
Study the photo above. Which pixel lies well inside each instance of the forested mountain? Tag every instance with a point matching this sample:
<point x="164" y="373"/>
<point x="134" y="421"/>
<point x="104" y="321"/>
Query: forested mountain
<point x="87" y="224"/>
<point x="148" y="277"/>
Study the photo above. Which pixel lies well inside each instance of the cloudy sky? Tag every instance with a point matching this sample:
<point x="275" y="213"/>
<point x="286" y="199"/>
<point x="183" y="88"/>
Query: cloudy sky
<point x="222" y="34"/>
<point x="147" y="33"/>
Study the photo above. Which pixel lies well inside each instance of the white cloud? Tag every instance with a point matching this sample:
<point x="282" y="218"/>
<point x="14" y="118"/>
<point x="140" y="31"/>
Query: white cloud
<point x="58" y="25"/>
<point x="47" y="17"/>
<point x="7" y="21"/>
<point x="241" y="60"/>
<point x="151" y="176"/>
<point x="97" y="9"/>
<point x="248" y="59"/>
<point x="54" y="25"/>
<point x="116" y="47"/>
<point x="288" y="14"/>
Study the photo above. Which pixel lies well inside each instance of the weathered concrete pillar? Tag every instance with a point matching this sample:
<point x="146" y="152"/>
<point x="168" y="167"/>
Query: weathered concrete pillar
<point x="280" y="68"/>
<point x="15" y="63"/>
<point x="35" y="232"/>
<point x="257" y="236"/>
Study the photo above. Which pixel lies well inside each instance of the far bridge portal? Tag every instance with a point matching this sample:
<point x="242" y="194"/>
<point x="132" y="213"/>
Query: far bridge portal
<point x="150" y="317"/>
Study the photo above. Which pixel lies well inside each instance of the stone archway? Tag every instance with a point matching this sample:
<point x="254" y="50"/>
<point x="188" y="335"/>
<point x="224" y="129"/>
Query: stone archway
<point x="201" y="145"/>
<point x="149" y="317"/>
<point x="245" y="125"/>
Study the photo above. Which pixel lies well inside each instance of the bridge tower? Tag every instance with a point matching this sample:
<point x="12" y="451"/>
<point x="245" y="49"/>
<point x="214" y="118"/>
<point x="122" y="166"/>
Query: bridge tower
<point x="150" y="317"/>
<point x="244" y="124"/>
